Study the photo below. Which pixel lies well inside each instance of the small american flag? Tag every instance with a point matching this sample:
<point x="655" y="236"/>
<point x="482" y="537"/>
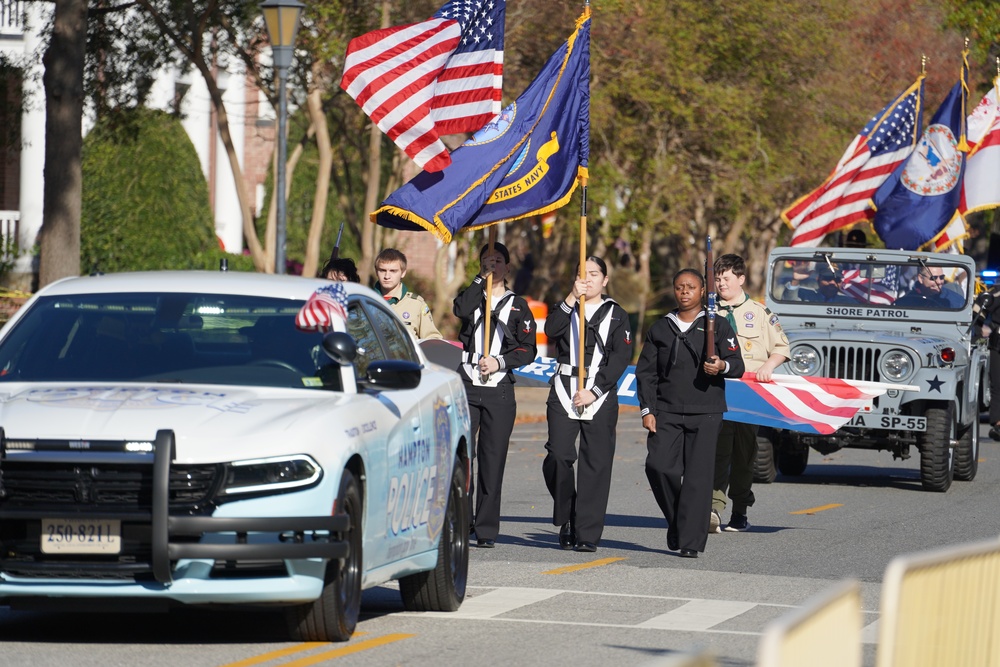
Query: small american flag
<point x="843" y="199"/>
<point x="420" y="81"/>
<point x="879" y="292"/>
<point x="327" y="305"/>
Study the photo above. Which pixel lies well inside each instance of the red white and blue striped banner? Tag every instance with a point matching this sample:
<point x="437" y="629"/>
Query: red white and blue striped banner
<point x="806" y="404"/>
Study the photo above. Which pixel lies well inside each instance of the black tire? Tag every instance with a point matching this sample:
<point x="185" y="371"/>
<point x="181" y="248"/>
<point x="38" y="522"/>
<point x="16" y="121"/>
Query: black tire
<point x="793" y="459"/>
<point x="443" y="588"/>
<point x="967" y="453"/>
<point x="764" y="471"/>
<point x="937" y="463"/>
<point x="333" y="616"/>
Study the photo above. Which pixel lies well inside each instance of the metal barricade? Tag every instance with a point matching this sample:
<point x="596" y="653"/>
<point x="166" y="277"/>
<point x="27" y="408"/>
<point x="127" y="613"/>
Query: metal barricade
<point x="942" y="607"/>
<point x="824" y="632"/>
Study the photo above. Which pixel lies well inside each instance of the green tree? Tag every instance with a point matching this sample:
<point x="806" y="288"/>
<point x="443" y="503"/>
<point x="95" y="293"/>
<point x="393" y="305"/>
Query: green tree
<point x="145" y="204"/>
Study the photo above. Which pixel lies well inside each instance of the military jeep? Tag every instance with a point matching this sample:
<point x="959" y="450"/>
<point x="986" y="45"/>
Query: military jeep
<point x="889" y="316"/>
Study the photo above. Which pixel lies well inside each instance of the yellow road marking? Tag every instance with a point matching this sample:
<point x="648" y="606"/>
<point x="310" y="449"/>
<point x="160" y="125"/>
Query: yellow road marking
<point x="273" y="655"/>
<point x="821" y="508"/>
<point x="583" y="566"/>
<point x="347" y="650"/>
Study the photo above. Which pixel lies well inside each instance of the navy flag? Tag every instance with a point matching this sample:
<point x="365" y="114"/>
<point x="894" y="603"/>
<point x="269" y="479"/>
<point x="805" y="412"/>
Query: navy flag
<point x="921" y="197"/>
<point x="524" y="162"/>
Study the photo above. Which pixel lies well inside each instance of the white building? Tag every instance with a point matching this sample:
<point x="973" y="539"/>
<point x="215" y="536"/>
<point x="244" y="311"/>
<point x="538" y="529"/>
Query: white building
<point x="22" y="168"/>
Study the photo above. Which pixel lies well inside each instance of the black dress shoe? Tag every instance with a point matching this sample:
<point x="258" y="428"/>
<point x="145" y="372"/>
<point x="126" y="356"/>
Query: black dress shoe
<point x="485" y="543"/>
<point x="689" y="553"/>
<point x="567" y="536"/>
<point x="589" y="547"/>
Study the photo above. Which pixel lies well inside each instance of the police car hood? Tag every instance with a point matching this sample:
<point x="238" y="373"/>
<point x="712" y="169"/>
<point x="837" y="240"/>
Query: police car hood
<point x="209" y="422"/>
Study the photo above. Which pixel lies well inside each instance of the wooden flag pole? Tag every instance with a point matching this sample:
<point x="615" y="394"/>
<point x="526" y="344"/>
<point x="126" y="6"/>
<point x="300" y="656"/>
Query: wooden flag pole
<point x="582" y="302"/>
<point x="489" y="300"/>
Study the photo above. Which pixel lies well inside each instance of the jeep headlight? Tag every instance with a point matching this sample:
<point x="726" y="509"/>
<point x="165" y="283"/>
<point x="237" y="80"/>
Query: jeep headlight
<point x="804" y="360"/>
<point x="271" y="474"/>
<point x="896" y="365"/>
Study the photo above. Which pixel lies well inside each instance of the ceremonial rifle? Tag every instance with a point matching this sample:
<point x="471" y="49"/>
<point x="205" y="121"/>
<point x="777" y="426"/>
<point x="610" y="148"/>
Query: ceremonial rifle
<point x="711" y="310"/>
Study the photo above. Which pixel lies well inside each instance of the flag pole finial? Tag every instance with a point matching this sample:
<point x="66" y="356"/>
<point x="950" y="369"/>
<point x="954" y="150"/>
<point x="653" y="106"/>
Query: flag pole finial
<point x="923" y="63"/>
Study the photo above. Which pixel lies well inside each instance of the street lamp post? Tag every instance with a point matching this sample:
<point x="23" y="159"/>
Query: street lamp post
<point x="282" y="19"/>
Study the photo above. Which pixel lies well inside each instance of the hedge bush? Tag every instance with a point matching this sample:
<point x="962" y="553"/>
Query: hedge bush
<point x="145" y="199"/>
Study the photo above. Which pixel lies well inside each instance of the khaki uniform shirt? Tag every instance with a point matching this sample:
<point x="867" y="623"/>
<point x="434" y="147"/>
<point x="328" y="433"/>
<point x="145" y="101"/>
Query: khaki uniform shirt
<point x="415" y="313"/>
<point x="760" y="334"/>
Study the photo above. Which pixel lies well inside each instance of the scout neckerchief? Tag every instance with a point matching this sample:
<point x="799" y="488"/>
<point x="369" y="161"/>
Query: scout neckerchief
<point x="729" y="311"/>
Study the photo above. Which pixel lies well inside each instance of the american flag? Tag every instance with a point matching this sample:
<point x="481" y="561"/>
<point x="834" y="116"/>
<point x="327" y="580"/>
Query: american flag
<point x="327" y="305"/>
<point x="883" y="292"/>
<point x="843" y="199"/>
<point x="420" y="81"/>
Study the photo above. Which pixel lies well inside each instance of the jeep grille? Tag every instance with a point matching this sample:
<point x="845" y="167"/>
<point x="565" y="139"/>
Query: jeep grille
<point x="846" y="362"/>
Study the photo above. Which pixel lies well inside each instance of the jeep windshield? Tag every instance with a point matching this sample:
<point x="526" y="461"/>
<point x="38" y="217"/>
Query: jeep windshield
<point x="912" y="284"/>
<point x="165" y="337"/>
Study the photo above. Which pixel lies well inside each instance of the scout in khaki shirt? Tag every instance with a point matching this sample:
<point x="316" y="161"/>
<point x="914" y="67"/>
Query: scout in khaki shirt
<point x="390" y="267"/>
<point x="764" y="347"/>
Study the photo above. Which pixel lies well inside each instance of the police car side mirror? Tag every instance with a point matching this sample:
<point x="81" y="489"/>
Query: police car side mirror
<point x="394" y="374"/>
<point x="340" y="347"/>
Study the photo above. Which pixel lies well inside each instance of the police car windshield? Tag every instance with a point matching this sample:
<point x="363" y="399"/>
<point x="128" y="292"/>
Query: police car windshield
<point x="905" y="284"/>
<point x="165" y="338"/>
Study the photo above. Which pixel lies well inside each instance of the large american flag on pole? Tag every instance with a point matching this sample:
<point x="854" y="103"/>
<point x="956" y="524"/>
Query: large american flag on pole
<point x="843" y="198"/>
<point x="421" y="81"/>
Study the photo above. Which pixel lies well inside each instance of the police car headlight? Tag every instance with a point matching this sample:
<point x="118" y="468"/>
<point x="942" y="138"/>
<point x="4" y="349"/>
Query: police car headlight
<point x="804" y="360"/>
<point x="896" y="365"/>
<point x="272" y="474"/>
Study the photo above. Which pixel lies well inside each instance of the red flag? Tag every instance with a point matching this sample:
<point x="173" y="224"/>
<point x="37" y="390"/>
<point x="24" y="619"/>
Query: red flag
<point x="420" y="81"/>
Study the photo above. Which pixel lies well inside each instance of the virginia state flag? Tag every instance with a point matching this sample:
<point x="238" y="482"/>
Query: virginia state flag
<point x="920" y="198"/>
<point x="525" y="162"/>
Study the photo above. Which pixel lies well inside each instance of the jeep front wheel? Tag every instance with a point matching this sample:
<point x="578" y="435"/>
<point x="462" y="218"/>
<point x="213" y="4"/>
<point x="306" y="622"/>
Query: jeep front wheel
<point x="793" y="459"/>
<point x="967" y="453"/>
<point x="936" y="457"/>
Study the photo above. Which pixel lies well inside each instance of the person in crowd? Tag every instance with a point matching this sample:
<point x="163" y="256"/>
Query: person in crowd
<point x="340" y="268"/>
<point x="588" y="411"/>
<point x="856" y="238"/>
<point x="803" y="278"/>
<point x="928" y="291"/>
<point x="390" y="268"/>
<point x="827" y="290"/>
<point x="487" y="370"/>
<point x="682" y="396"/>
<point x="764" y="347"/>
<point x="986" y="314"/>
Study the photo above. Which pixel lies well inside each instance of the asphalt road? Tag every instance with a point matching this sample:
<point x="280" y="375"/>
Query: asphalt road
<point x="631" y="603"/>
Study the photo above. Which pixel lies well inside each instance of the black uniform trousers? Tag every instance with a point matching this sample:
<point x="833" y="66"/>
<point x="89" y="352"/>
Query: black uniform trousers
<point x="994" y="385"/>
<point x="734" y="459"/>
<point x="491" y="411"/>
<point x="582" y="497"/>
<point x="680" y="462"/>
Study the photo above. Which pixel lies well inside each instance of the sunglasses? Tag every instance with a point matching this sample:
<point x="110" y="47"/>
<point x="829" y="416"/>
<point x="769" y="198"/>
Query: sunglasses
<point x="941" y="278"/>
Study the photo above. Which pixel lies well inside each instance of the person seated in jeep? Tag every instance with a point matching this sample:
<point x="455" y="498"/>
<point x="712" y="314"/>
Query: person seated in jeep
<point x="828" y="289"/>
<point x="928" y="292"/>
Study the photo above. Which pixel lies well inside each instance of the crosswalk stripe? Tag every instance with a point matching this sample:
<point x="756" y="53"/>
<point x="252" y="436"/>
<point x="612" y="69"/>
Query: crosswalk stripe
<point x="698" y="615"/>
<point x="497" y="602"/>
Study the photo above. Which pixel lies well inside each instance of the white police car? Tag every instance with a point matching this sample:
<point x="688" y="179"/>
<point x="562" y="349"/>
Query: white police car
<point x="179" y="438"/>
